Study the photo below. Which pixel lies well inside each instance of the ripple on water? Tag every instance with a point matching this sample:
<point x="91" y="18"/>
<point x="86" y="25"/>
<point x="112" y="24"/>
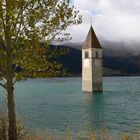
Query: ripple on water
<point x="58" y="104"/>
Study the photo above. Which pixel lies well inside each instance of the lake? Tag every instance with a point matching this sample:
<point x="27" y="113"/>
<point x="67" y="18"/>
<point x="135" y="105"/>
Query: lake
<point x="58" y="104"/>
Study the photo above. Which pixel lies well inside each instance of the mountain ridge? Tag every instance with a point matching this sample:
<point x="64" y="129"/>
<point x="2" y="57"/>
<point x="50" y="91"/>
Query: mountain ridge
<point x="118" y="59"/>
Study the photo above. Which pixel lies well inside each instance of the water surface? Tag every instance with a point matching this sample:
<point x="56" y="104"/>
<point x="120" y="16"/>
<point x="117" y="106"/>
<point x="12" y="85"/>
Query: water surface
<point x="58" y="104"/>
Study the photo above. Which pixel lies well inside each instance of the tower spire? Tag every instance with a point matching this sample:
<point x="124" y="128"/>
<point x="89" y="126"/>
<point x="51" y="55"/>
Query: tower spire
<point x="91" y="40"/>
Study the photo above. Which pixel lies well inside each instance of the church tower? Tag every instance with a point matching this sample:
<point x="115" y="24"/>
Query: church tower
<point x="92" y="77"/>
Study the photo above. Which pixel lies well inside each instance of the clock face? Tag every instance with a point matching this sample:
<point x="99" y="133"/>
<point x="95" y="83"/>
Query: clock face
<point x="86" y="63"/>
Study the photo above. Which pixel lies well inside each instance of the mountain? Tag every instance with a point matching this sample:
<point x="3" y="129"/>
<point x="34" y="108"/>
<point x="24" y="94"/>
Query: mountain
<point x="118" y="58"/>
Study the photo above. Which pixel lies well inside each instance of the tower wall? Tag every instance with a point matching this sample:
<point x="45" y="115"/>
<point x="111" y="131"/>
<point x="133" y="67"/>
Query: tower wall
<point x="92" y="70"/>
<point x="86" y="70"/>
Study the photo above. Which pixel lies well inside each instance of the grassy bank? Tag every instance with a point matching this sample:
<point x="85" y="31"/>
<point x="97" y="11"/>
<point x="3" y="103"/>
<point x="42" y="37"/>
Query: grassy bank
<point x="24" y="134"/>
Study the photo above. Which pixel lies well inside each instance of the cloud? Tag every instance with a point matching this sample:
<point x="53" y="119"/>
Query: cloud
<point x="114" y="20"/>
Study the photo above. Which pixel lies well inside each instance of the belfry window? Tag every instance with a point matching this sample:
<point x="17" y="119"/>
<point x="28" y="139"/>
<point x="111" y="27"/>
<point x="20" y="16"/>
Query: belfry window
<point x="86" y="54"/>
<point x="97" y="55"/>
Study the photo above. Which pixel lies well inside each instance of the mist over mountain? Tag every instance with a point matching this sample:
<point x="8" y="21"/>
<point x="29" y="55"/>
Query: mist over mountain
<point x="119" y="58"/>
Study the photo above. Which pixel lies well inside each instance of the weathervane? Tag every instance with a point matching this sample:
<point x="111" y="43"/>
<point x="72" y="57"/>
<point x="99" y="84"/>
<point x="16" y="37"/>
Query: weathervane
<point x="91" y="21"/>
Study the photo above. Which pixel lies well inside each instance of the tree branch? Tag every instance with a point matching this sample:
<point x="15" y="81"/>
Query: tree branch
<point x="3" y="85"/>
<point x="14" y="82"/>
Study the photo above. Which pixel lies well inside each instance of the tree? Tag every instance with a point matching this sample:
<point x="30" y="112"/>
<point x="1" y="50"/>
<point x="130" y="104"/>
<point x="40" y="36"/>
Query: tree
<point x="24" y="25"/>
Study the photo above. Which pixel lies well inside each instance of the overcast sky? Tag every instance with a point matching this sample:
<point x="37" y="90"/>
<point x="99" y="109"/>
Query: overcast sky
<point x="113" y="20"/>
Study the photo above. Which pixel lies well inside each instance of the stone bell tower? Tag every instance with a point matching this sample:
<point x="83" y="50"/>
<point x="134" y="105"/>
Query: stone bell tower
<point x="92" y="79"/>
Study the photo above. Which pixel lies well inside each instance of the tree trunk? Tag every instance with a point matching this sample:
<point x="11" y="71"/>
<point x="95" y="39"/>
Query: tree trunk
<point x="12" y="131"/>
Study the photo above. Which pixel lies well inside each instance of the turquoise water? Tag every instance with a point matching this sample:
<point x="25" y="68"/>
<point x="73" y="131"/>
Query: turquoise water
<point x="58" y="104"/>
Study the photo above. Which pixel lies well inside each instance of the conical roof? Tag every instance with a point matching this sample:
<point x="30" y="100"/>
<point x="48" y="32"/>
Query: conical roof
<point x="91" y="40"/>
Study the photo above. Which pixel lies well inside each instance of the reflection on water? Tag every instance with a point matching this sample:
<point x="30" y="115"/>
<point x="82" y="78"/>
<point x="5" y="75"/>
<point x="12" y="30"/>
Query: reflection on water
<point x="58" y="104"/>
<point x="95" y="109"/>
